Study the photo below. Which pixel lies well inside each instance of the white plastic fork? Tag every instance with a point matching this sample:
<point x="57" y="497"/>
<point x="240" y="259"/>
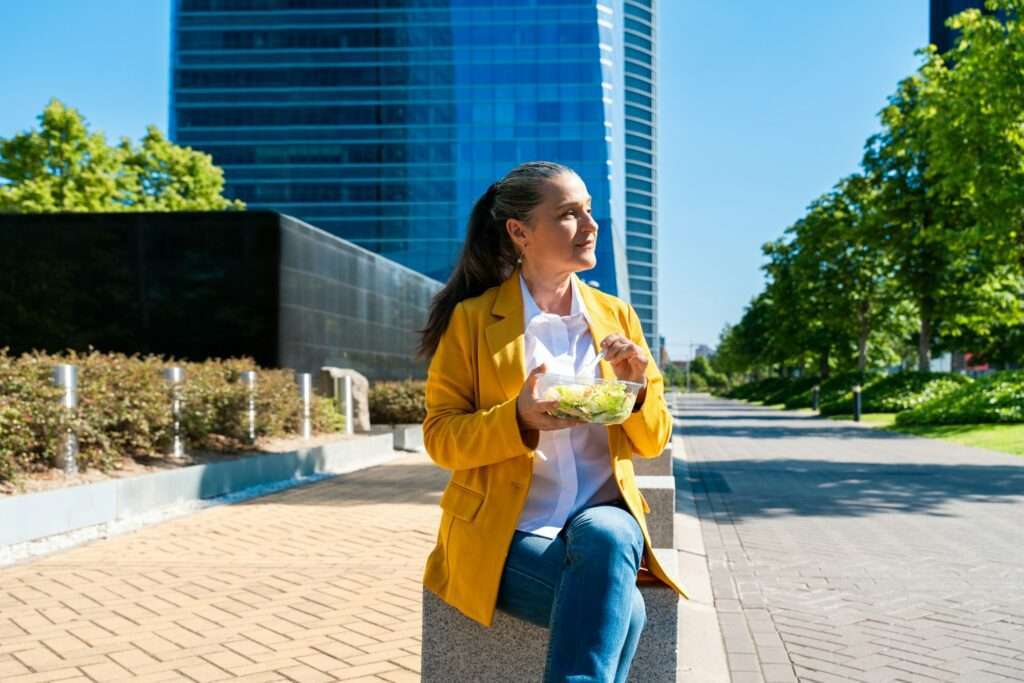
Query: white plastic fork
<point x="588" y="369"/>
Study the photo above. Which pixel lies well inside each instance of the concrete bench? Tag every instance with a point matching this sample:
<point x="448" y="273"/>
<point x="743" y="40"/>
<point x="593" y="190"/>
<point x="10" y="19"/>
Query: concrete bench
<point x="654" y="467"/>
<point x="456" y="648"/>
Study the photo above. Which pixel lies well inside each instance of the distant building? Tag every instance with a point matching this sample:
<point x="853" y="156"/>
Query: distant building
<point x="940" y="10"/>
<point x="703" y="351"/>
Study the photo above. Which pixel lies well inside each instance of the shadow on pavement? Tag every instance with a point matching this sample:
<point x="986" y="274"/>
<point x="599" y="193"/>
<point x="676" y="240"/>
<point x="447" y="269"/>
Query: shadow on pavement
<point x="393" y="483"/>
<point x="782" y="487"/>
<point x="692" y="426"/>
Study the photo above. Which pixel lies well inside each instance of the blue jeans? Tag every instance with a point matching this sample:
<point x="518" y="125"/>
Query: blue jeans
<point x="582" y="586"/>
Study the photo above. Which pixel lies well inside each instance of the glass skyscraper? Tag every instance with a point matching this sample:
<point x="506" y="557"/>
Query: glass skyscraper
<point x="382" y="121"/>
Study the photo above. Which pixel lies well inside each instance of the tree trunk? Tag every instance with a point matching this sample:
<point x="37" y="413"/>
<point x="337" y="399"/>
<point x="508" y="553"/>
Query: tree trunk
<point x="862" y="339"/>
<point x="924" y="354"/>
<point x="823" y="363"/>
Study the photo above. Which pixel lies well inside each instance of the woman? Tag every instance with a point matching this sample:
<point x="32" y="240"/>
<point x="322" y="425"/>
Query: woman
<point x="542" y="517"/>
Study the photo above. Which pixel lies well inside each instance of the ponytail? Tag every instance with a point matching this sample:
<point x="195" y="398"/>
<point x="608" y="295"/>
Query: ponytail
<point x="488" y="255"/>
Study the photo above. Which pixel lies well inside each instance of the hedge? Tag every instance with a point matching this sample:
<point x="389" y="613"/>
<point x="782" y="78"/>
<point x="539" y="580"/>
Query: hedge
<point x="124" y="407"/>
<point x="899" y="392"/>
<point x="791" y="389"/>
<point x="400" y="402"/>
<point x="835" y="389"/>
<point x="997" y="397"/>
<point x="759" y="389"/>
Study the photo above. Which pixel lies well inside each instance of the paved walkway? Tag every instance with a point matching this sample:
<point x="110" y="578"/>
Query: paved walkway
<point x="316" y="583"/>
<point x="842" y="553"/>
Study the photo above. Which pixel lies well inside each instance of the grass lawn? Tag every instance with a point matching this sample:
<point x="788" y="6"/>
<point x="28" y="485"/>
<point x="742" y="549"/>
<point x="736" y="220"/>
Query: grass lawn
<point x="782" y="406"/>
<point x="873" y="419"/>
<point x="1008" y="438"/>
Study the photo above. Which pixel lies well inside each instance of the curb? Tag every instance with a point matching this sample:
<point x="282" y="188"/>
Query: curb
<point x="702" y="656"/>
<point x="37" y="524"/>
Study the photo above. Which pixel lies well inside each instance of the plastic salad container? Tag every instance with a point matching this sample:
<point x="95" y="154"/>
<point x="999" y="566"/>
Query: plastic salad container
<point x="589" y="399"/>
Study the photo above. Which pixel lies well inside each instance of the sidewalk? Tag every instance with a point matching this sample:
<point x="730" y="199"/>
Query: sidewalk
<point x="316" y="583"/>
<point x="320" y="582"/>
<point x="844" y="553"/>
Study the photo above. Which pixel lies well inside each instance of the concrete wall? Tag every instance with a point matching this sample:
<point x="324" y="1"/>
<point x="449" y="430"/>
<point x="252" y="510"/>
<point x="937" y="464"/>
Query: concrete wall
<point x="35" y="516"/>
<point x="198" y="285"/>
<point x="345" y="306"/>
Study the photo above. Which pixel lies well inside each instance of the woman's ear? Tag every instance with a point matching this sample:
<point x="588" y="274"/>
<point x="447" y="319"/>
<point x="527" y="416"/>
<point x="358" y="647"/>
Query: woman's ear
<point x="516" y="231"/>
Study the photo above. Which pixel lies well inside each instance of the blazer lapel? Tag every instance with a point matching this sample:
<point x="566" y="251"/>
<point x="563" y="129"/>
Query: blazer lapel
<point x="505" y="336"/>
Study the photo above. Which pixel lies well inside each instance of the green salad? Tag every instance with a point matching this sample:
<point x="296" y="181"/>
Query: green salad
<point x="603" y="403"/>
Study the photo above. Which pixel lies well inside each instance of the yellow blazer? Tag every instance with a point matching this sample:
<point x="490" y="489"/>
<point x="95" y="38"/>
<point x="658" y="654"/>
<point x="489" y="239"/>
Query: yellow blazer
<point x="473" y="382"/>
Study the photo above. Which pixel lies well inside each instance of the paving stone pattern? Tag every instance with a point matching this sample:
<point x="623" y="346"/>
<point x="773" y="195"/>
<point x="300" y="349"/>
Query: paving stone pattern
<point x="317" y="583"/>
<point x="843" y="553"/>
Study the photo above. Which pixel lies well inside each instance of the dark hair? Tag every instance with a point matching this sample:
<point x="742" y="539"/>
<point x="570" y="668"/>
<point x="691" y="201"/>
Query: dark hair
<point x="488" y="254"/>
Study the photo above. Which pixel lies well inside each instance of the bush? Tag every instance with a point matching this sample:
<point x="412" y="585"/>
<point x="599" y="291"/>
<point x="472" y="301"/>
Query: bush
<point x="998" y="397"/>
<point x="835" y="392"/>
<point x="758" y="389"/>
<point x="401" y="402"/>
<point x="906" y="390"/>
<point x="124" y="408"/>
<point x="791" y="389"/>
<point x="698" y="383"/>
<point x="701" y="367"/>
<point x="30" y="418"/>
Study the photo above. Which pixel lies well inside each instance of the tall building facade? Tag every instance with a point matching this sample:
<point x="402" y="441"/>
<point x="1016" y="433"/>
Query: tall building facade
<point x="639" y="140"/>
<point x="382" y="121"/>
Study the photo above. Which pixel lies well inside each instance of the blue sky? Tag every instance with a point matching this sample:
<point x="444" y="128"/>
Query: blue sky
<point x="763" y="106"/>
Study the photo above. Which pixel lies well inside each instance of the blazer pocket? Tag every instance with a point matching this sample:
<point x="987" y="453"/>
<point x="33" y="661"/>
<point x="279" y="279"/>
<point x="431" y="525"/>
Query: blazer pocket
<point x="461" y="502"/>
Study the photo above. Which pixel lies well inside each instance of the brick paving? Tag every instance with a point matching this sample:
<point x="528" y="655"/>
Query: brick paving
<point x="842" y="553"/>
<point x="316" y="583"/>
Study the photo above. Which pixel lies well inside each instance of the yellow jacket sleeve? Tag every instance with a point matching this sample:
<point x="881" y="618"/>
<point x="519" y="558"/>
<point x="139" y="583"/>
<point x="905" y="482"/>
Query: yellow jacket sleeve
<point x="649" y="429"/>
<point x="456" y="434"/>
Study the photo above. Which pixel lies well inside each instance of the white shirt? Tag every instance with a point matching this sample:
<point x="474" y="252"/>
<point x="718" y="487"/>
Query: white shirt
<point x="577" y="471"/>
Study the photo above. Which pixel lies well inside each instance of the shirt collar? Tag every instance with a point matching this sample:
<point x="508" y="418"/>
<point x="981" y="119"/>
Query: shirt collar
<point x="531" y="309"/>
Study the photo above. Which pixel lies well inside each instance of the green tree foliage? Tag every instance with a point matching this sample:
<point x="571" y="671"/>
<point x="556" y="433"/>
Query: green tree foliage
<point x="946" y="274"/>
<point x="973" y="115"/>
<point x="925" y="247"/>
<point x="63" y="166"/>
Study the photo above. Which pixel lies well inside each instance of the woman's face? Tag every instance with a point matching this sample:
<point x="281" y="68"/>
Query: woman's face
<point x="561" y="235"/>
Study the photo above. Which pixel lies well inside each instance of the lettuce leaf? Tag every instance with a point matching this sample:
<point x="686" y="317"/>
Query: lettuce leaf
<point x="602" y="403"/>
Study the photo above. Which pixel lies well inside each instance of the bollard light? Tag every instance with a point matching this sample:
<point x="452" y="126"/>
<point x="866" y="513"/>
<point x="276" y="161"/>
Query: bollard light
<point x="305" y="382"/>
<point x="249" y="377"/>
<point x="856" y="403"/>
<point x="343" y="400"/>
<point x="66" y="376"/>
<point x="175" y="377"/>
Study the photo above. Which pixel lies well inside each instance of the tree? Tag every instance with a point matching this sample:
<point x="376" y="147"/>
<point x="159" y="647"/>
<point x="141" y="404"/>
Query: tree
<point x="729" y="358"/>
<point x="63" y="166"/>
<point x="801" y="323"/>
<point x="973" y="114"/>
<point x="950" y="277"/>
<point x="850" y="276"/>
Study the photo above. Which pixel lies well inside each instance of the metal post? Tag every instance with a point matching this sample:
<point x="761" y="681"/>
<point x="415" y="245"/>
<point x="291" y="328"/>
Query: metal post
<point x="856" y="403"/>
<point x="347" y="391"/>
<point x="305" y="382"/>
<point x="175" y="376"/>
<point x="249" y="377"/>
<point x="66" y="376"/>
<point x="814" y="396"/>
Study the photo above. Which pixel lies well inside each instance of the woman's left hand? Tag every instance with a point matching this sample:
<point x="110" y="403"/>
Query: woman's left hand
<point x="628" y="360"/>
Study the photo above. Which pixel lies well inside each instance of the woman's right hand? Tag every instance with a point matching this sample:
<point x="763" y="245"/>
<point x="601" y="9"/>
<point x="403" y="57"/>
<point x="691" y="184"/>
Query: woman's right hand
<point x="532" y="412"/>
